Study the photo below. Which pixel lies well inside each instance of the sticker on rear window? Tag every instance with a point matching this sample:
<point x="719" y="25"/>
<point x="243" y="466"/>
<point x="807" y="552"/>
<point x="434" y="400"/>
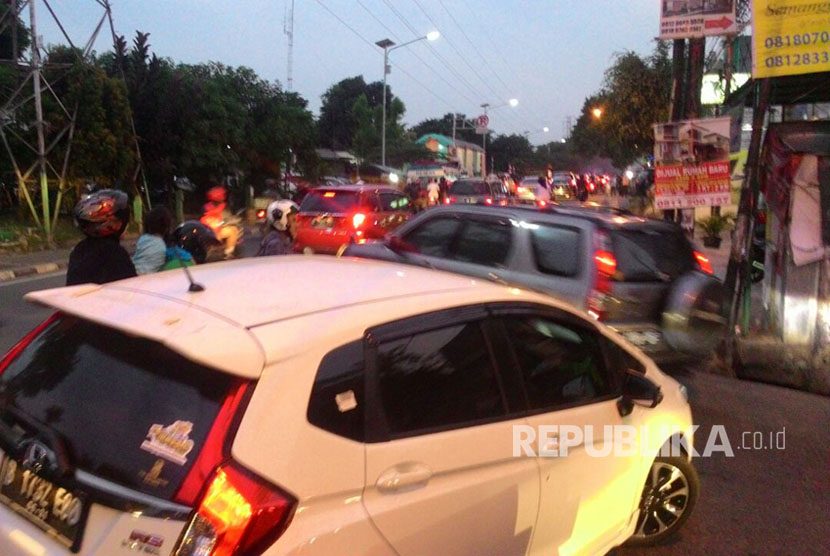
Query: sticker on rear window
<point x="172" y="442"/>
<point x="153" y="476"/>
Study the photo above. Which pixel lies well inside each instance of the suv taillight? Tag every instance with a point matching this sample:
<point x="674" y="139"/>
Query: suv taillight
<point x="27" y="339"/>
<point x="239" y="514"/>
<point x="605" y="265"/>
<point x="358" y="219"/>
<point x="703" y="262"/>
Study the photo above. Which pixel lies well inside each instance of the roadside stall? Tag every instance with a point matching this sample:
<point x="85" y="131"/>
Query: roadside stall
<point x="781" y="256"/>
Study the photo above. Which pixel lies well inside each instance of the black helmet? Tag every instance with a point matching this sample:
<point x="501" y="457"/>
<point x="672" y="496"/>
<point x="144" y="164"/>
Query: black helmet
<point x="195" y="238"/>
<point x="102" y="214"/>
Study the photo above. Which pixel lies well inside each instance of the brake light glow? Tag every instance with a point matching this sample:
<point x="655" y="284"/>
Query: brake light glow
<point x="703" y="262"/>
<point x="488" y="201"/>
<point x="358" y="219"/>
<point x="238" y="514"/>
<point x="260" y="213"/>
<point x="542" y="203"/>
<point x="503" y="203"/>
<point x="25" y="341"/>
<point x="606" y="263"/>
<point x="449" y="200"/>
<point x="329" y="194"/>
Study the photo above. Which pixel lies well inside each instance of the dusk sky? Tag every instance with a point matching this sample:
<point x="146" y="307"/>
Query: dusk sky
<point x="550" y="54"/>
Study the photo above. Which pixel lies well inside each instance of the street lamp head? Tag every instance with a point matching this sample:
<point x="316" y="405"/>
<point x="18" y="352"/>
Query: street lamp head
<point x="385" y="43"/>
<point x="514" y="102"/>
<point x="433" y="36"/>
<point x="597" y="112"/>
<point x="546" y="129"/>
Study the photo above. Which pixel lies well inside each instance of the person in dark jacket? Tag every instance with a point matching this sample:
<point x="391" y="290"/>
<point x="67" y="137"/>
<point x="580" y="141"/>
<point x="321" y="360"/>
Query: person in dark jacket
<point x="282" y="219"/>
<point x="99" y="258"/>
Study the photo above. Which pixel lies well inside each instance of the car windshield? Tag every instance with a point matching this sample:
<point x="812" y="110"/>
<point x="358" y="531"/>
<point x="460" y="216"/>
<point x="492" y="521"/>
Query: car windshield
<point x="126" y="408"/>
<point x="470" y="188"/>
<point x="331" y="201"/>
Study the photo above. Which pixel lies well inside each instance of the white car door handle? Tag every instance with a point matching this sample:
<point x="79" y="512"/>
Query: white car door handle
<point x="404" y="476"/>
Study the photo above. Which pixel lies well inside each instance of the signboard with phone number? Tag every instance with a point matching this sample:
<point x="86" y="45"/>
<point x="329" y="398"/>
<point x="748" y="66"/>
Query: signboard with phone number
<point x="790" y="37"/>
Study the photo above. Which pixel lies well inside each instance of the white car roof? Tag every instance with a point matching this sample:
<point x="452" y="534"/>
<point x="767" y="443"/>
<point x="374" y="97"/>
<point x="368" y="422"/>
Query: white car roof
<point x="212" y="326"/>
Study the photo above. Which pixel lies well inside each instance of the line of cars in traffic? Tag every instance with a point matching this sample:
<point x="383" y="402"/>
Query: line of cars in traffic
<point x="370" y="403"/>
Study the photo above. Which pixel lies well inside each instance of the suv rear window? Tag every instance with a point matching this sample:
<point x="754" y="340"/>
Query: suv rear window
<point x="331" y="201"/>
<point x="470" y="188"/>
<point x="651" y="255"/>
<point x="104" y="393"/>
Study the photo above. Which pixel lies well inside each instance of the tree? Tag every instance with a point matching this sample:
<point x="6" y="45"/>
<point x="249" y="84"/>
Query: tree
<point x="365" y="139"/>
<point x="635" y="94"/>
<point x="336" y="125"/>
<point x="443" y="126"/>
<point x="506" y="150"/>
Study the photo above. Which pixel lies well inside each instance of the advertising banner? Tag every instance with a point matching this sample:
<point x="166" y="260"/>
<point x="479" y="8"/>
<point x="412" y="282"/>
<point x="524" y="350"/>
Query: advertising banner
<point x="681" y="19"/>
<point x="692" y="164"/>
<point x="790" y="37"/>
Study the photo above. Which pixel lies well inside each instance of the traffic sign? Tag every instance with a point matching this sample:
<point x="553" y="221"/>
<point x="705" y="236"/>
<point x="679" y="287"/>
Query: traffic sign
<point x="481" y="124"/>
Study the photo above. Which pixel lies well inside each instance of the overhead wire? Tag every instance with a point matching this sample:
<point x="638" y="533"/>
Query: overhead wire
<point x="375" y="48"/>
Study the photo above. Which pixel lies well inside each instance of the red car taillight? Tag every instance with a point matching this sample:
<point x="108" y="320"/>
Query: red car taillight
<point x="606" y="267"/>
<point x="503" y="203"/>
<point x="27" y="339"/>
<point x="703" y="262"/>
<point x="239" y="514"/>
<point x="488" y="201"/>
<point x="449" y="200"/>
<point x="358" y="219"/>
<point x="542" y="203"/>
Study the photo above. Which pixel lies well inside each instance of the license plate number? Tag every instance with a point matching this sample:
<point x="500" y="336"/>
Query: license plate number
<point x="56" y="510"/>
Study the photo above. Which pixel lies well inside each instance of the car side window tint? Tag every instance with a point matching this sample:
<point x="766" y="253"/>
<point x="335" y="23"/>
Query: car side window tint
<point x="556" y="249"/>
<point x="391" y="202"/>
<point x="483" y="242"/>
<point x="371" y="202"/>
<point x="337" y="398"/>
<point x="433" y="237"/>
<point x="561" y="364"/>
<point x="438" y="379"/>
<point x="620" y="359"/>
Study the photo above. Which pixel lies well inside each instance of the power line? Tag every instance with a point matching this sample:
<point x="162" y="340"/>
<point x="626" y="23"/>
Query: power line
<point x="469" y="65"/>
<point x="374" y="47"/>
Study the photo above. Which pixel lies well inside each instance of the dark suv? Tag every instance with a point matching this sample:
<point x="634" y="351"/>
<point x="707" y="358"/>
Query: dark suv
<point x="642" y="277"/>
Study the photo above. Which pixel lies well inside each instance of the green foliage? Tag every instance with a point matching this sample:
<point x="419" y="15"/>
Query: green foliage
<point x="514" y="149"/>
<point x="366" y="137"/>
<point x="635" y="95"/>
<point x="715" y="224"/>
<point x="443" y="126"/>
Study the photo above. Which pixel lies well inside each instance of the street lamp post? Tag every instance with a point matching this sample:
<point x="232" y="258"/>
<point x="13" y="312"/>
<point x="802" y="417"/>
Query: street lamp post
<point x="513" y="103"/>
<point x="388" y="46"/>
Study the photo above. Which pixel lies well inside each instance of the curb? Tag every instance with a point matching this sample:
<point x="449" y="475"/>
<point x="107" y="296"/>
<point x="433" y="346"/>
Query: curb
<point x="43" y="268"/>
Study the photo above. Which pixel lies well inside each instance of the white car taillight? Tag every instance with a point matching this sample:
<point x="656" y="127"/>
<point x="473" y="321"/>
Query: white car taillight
<point x="239" y="514"/>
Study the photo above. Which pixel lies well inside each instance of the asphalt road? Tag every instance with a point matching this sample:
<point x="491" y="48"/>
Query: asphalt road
<point x="760" y="501"/>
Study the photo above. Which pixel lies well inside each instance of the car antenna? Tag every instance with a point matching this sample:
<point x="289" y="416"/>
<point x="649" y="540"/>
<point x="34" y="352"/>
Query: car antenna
<point x="194" y="286"/>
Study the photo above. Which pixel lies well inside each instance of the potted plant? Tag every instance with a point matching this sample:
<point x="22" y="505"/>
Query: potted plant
<point x="712" y="227"/>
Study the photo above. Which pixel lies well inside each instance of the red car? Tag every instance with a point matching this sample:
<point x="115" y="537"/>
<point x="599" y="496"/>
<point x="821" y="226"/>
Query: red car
<point x="331" y="217"/>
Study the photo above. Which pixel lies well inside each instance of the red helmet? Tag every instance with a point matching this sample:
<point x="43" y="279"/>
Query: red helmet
<point x="217" y="194"/>
<point x="104" y="213"/>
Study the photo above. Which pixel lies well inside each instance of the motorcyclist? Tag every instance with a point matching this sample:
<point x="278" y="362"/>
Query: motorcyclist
<point x="99" y="258"/>
<point x="214" y="216"/>
<point x="189" y="244"/>
<point x="282" y="223"/>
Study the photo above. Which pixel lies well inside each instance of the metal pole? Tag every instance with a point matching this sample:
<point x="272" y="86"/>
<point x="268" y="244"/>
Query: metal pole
<point x="41" y="143"/>
<point x="484" y="146"/>
<point x="383" y="125"/>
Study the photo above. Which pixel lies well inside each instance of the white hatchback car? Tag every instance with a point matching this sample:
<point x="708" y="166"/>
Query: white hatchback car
<point x="310" y="405"/>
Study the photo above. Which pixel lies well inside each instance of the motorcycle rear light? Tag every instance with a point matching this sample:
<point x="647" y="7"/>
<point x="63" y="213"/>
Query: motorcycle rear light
<point x="704" y="263"/>
<point x="488" y="201"/>
<point x="358" y="219"/>
<point x="449" y="200"/>
<point x="260" y="214"/>
<point x="239" y="514"/>
<point x="503" y="203"/>
<point x="12" y="354"/>
<point x="541" y="203"/>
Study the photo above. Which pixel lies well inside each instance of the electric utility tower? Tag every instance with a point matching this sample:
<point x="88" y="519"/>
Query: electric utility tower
<point x="40" y="148"/>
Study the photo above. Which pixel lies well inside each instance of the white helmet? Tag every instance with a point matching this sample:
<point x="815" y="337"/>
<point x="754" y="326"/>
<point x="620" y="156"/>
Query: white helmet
<point x="278" y="211"/>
